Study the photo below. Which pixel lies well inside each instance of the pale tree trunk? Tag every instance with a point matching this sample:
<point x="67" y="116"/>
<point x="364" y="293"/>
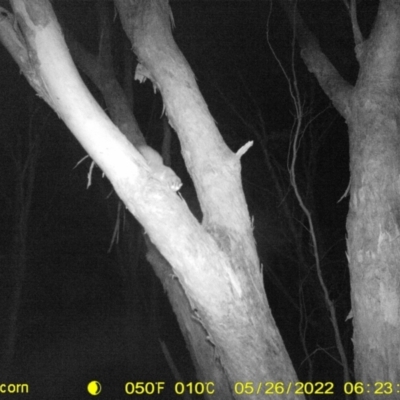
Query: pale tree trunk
<point x="372" y="112"/>
<point x="127" y="237"/>
<point x="216" y="261"/>
<point x="99" y="70"/>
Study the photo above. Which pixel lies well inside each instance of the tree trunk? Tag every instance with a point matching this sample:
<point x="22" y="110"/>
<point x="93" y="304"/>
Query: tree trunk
<point x="373" y="227"/>
<point x="372" y="113"/>
<point x="216" y="262"/>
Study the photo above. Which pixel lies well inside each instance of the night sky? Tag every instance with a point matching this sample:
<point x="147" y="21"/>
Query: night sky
<point x="75" y="319"/>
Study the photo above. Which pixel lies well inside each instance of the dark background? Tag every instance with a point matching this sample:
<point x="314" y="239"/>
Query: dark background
<point x="75" y="322"/>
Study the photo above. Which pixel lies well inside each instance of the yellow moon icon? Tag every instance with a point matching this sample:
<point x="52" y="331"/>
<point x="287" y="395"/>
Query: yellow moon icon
<point x="94" y="388"/>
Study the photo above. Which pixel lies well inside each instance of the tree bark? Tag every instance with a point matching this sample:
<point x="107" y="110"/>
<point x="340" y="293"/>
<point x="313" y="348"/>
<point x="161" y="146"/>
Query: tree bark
<point x="216" y="263"/>
<point x="374" y="219"/>
<point x="372" y="114"/>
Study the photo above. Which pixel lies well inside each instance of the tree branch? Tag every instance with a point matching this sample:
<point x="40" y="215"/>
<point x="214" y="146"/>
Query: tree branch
<point x="334" y="86"/>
